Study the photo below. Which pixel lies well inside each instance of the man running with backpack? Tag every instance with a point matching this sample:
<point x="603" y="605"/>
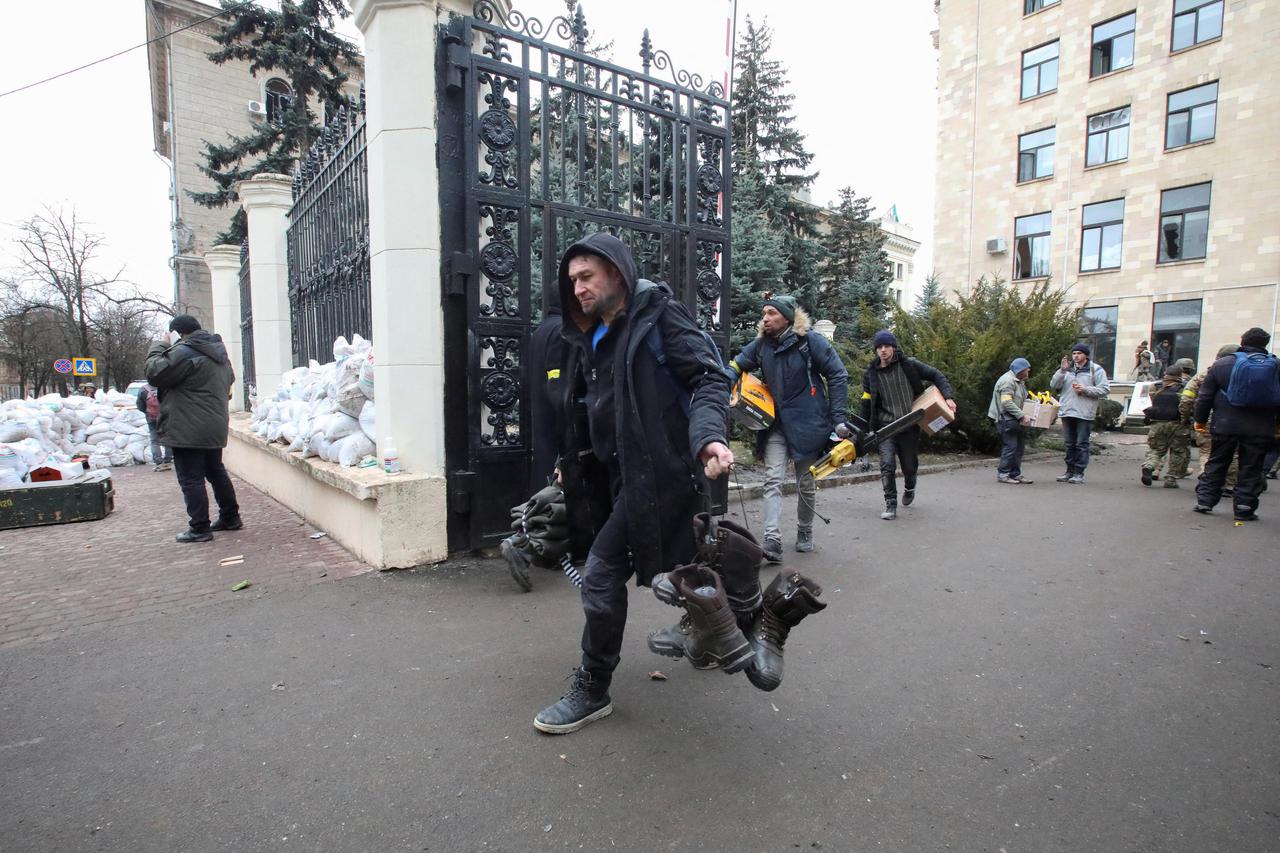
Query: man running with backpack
<point x="1242" y="391"/>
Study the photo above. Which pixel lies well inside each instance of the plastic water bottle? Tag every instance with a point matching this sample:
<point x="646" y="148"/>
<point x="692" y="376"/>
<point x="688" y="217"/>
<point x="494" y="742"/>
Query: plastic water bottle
<point x="390" y="457"/>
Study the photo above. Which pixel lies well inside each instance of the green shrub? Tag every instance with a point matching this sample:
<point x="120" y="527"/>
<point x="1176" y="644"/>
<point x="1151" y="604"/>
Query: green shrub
<point x="1108" y="415"/>
<point x="973" y="338"/>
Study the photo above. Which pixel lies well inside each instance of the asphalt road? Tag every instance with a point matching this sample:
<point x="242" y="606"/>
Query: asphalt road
<point x="1004" y="668"/>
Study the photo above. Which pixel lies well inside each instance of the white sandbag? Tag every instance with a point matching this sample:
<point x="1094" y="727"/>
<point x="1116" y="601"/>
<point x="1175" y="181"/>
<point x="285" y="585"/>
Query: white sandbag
<point x="139" y="453"/>
<point x="17" y="430"/>
<point x="99" y="427"/>
<point x="30" y="451"/>
<point x="353" y="448"/>
<point x="339" y="425"/>
<point x="11" y="461"/>
<point x="98" y="461"/>
<point x="101" y="438"/>
<point x="9" y="479"/>
<point x="341" y="348"/>
<point x="82" y="448"/>
<point x="366" y="374"/>
<point x="121" y="457"/>
<point x="121" y="441"/>
<point x="368" y="421"/>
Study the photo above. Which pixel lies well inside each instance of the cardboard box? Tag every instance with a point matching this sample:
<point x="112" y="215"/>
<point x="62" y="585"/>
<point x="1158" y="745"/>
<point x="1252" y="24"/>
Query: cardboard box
<point x="937" y="414"/>
<point x="1042" y="415"/>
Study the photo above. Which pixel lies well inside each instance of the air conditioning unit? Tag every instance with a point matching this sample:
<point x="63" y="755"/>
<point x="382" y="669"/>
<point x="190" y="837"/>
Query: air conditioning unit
<point x="257" y="108"/>
<point x="996" y="246"/>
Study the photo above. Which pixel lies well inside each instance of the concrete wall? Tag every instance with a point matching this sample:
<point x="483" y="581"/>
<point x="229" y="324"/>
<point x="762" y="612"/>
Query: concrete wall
<point x="980" y="117"/>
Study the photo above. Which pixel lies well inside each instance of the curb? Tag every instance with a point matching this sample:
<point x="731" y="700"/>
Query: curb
<point x="756" y="490"/>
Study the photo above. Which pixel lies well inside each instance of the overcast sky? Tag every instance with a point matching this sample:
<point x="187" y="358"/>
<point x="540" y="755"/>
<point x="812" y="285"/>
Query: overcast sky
<point x="862" y="73"/>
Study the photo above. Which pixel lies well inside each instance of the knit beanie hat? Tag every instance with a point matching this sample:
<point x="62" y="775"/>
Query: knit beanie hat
<point x="184" y="324"/>
<point x="884" y="337"/>
<point x="1018" y="365"/>
<point x="1082" y="347"/>
<point x="785" y="305"/>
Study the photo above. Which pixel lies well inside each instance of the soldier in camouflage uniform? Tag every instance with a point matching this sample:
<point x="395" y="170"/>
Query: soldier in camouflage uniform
<point x="1204" y="442"/>
<point x="1180" y="459"/>
<point x="1167" y="435"/>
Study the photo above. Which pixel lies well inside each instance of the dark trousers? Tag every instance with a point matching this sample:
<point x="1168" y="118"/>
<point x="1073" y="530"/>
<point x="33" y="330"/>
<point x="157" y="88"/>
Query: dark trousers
<point x="1013" y="441"/>
<point x="195" y="465"/>
<point x="905" y="448"/>
<point x="604" y="595"/>
<point x="1075" y="435"/>
<point x="1252" y="451"/>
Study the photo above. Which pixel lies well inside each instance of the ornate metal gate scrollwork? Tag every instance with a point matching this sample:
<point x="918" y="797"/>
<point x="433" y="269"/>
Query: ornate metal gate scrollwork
<point x="540" y="143"/>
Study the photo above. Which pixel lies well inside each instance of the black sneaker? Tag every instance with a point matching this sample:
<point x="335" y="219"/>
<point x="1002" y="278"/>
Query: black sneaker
<point x="190" y="535"/>
<point x="890" y="513"/>
<point x="1146" y="476"/>
<point x="587" y="701"/>
<point x="772" y="549"/>
<point x="227" y="524"/>
<point x="908" y="496"/>
<point x="1203" y="509"/>
<point x="1245" y="515"/>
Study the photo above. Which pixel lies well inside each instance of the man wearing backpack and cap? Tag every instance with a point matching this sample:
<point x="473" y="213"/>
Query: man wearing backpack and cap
<point x="1080" y="384"/>
<point x="890" y="385"/>
<point x="1242" y="393"/>
<point x="810" y="389"/>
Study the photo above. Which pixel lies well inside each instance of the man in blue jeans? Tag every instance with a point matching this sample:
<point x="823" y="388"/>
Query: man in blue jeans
<point x="1007" y="398"/>
<point x="1079" y="384"/>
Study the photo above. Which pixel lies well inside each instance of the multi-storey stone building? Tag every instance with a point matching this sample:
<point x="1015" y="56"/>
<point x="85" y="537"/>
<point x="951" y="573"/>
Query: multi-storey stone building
<point x="194" y="101"/>
<point x="1124" y="149"/>
<point x="901" y="247"/>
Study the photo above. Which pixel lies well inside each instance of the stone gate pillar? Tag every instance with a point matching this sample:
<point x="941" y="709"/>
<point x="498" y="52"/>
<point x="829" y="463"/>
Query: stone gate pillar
<point x="224" y="272"/>
<point x="267" y="199"/>
<point x="404" y="227"/>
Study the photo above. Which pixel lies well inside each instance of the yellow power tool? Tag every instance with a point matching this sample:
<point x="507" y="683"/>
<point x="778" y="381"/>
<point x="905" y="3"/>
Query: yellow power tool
<point x="861" y="439"/>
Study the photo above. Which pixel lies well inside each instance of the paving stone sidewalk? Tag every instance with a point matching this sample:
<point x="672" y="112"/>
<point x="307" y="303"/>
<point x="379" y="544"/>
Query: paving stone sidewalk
<point x="127" y="567"/>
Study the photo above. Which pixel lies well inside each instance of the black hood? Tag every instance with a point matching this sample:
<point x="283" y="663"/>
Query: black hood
<point x="604" y="245"/>
<point x="207" y="344"/>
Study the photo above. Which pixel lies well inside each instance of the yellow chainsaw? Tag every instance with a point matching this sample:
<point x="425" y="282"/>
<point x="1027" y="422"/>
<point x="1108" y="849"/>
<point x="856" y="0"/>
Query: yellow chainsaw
<point x="861" y="440"/>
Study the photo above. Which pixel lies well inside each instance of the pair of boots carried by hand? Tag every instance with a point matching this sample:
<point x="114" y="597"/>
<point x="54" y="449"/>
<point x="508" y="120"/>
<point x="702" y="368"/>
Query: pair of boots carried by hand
<point x="729" y="623"/>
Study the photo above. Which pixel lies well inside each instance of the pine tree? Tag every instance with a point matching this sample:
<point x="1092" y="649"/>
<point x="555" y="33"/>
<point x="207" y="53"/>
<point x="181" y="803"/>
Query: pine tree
<point x="764" y="136"/>
<point x="928" y="298"/>
<point x="849" y="237"/>
<point x="759" y="260"/>
<point x="297" y="43"/>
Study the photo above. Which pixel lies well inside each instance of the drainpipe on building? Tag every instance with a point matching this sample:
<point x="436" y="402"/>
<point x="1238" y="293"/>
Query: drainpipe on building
<point x="172" y="162"/>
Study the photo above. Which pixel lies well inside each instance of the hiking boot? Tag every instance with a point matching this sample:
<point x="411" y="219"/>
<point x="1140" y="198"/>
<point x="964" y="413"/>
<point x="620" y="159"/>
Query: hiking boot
<point x="190" y="535"/>
<point x="1076" y="479"/>
<point x="1146" y="475"/>
<point x="1242" y="514"/>
<point x="1203" y="509"/>
<point x="517" y="563"/>
<point x="908" y="496"/>
<point x="1170" y="483"/>
<point x="714" y="637"/>
<point x="787" y="601"/>
<point x="773" y="550"/>
<point x="804" y="539"/>
<point x="227" y="524"/>
<point x="890" y="512"/>
<point x="163" y="466"/>
<point x="1065" y="476"/>
<point x="670" y="642"/>
<point x="587" y="701"/>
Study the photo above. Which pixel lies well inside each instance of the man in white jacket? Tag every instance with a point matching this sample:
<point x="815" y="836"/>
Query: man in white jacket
<point x="1080" y="384"/>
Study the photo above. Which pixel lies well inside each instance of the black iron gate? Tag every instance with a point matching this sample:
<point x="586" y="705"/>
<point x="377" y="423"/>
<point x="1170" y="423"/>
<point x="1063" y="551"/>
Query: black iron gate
<point x="250" y="378"/>
<point x="539" y="144"/>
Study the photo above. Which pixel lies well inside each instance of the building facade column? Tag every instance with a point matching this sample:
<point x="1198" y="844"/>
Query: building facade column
<point x="267" y="199"/>
<point x="224" y="271"/>
<point x="404" y="227"/>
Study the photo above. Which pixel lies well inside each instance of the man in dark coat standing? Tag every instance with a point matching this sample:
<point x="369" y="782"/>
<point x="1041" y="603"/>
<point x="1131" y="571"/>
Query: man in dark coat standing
<point x="890" y="386"/>
<point x="645" y="402"/>
<point x="193" y="377"/>
<point x="1245" y="430"/>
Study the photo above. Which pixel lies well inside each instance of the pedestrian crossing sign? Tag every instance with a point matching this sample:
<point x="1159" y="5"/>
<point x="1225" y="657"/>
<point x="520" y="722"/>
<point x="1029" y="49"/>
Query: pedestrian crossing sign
<point x="85" y="367"/>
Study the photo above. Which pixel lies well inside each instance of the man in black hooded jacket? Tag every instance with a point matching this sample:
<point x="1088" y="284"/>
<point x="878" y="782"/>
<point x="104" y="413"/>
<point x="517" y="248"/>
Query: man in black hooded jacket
<point x="193" y="377"/>
<point x="645" y="401"/>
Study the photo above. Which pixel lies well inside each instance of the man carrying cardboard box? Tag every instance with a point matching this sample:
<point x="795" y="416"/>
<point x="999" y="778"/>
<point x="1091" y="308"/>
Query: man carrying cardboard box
<point x="1006" y="410"/>
<point x="890" y="385"/>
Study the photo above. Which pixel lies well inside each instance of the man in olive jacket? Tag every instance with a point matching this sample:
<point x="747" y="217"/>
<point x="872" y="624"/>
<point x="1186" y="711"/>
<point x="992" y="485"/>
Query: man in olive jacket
<point x="193" y="378"/>
<point x="1006" y="410"/>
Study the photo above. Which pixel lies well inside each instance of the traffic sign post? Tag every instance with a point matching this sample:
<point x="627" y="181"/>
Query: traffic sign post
<point x="62" y="365"/>
<point x="85" y="366"/>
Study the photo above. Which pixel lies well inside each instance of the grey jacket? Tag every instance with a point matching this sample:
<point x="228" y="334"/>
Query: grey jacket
<point x="1083" y="405"/>
<point x="1007" y="397"/>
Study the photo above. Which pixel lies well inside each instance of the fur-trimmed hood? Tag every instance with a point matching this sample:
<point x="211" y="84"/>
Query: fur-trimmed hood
<point x="801" y="325"/>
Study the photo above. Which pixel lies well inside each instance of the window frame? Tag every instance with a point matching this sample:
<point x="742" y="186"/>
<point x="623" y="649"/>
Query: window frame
<point x="1093" y="44"/>
<point x="1033" y="236"/>
<point x="277" y="102"/>
<point x="1179" y="346"/>
<point x="1057" y="59"/>
<point x="1190" y="111"/>
<point x="1093" y="337"/>
<point x="1196" y="41"/>
<point x="1043" y="5"/>
<point x="1101" y="227"/>
<point x="1107" y="132"/>
<point x="1182" y="224"/>
<point x="1035" y="155"/>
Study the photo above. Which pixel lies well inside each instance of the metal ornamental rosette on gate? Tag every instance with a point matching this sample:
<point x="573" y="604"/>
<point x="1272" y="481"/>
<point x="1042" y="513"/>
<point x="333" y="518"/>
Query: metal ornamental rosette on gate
<point x="540" y="143"/>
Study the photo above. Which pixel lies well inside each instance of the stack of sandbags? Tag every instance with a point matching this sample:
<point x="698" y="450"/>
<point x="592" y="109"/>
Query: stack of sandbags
<point x="325" y="410"/>
<point x="108" y="429"/>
